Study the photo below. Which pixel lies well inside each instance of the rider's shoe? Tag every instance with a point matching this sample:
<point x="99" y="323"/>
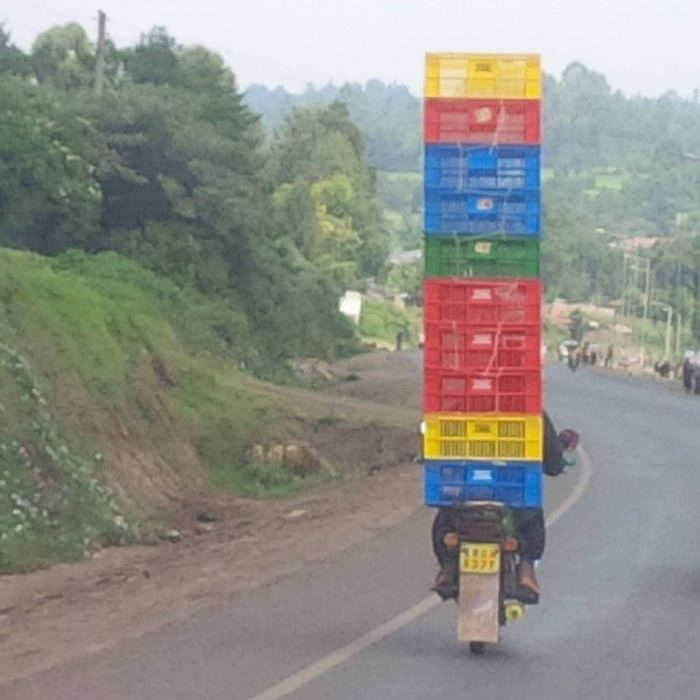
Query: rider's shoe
<point x="446" y="581"/>
<point x="528" y="588"/>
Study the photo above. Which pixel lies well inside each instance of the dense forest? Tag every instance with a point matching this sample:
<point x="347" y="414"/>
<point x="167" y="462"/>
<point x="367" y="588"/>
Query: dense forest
<point x="272" y="203"/>
<point x="170" y="168"/>
<point x="615" y="167"/>
<point x="631" y="164"/>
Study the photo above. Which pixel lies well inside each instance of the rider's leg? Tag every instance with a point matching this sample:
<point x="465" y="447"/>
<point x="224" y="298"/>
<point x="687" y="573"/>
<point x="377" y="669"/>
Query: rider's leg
<point x="446" y="581"/>
<point x="530" y="529"/>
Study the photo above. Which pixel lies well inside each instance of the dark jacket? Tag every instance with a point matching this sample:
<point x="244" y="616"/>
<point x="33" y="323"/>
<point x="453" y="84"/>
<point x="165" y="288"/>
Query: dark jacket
<point x="553" y="462"/>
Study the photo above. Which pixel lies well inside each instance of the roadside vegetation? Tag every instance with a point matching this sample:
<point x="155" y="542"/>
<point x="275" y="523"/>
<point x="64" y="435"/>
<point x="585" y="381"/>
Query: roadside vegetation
<point x="159" y="254"/>
<point x="615" y="167"/>
<point x="169" y="243"/>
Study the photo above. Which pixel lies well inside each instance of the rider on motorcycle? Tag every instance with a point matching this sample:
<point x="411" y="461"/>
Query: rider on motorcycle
<point x="529" y="523"/>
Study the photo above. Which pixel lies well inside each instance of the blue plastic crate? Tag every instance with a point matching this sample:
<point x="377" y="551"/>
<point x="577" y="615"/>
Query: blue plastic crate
<point x="455" y="168"/>
<point x="513" y="212"/>
<point x="517" y="484"/>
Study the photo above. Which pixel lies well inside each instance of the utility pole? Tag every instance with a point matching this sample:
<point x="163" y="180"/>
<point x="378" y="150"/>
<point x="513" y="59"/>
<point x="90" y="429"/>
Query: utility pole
<point x="624" y="284"/>
<point x="647" y="292"/>
<point x="648" y="283"/>
<point x="667" y="348"/>
<point x="696" y="307"/>
<point x="100" y="54"/>
<point x="679" y="328"/>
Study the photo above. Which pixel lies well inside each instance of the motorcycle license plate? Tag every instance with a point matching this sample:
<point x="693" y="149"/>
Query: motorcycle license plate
<point x="479" y="558"/>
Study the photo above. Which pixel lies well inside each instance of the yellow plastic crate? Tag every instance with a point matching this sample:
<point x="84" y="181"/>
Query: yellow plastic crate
<point x="486" y="437"/>
<point x="502" y="76"/>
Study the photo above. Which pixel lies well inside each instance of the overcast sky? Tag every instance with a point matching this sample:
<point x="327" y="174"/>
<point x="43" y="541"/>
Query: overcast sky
<point x="642" y="46"/>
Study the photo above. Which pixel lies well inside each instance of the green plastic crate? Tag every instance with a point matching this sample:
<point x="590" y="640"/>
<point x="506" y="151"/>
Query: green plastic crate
<point x="467" y="256"/>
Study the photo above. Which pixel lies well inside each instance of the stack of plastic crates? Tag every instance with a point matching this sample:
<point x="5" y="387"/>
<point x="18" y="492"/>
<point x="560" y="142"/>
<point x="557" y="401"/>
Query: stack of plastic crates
<point x="482" y="293"/>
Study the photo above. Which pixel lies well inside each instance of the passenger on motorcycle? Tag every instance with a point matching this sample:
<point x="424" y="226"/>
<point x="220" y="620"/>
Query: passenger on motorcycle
<point x="529" y="523"/>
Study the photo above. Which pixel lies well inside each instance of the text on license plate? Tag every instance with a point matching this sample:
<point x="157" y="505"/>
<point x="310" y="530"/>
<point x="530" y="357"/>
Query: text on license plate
<point x="479" y="558"/>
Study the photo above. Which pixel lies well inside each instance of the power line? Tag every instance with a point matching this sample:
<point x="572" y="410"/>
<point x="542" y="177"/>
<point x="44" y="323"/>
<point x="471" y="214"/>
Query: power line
<point x="303" y="74"/>
<point x="55" y="11"/>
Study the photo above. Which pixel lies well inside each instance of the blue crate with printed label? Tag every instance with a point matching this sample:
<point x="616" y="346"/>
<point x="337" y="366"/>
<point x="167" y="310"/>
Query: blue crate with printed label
<point x="462" y="168"/>
<point x="482" y="212"/>
<point x="517" y="484"/>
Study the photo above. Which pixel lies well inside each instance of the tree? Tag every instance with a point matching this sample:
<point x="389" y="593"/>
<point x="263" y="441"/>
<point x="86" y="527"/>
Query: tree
<point x="388" y="117"/>
<point x="63" y="57"/>
<point x="154" y="60"/>
<point x="167" y="167"/>
<point x="49" y="196"/>
<point x="577" y="325"/>
<point x="12" y="60"/>
<point x="319" y="155"/>
<point x="206" y="79"/>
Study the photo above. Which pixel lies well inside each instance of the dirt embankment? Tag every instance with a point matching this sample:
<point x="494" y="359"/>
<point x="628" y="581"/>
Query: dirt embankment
<point x="366" y="424"/>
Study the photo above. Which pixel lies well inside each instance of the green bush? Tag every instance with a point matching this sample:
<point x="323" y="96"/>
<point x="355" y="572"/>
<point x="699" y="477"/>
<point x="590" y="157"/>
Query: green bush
<point x="381" y="320"/>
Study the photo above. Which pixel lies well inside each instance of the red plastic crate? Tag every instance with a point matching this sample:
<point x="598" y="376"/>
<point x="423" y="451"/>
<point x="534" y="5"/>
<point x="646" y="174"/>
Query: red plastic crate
<point x="480" y="391"/>
<point x="458" y="346"/>
<point x="483" y="121"/>
<point x="483" y="301"/>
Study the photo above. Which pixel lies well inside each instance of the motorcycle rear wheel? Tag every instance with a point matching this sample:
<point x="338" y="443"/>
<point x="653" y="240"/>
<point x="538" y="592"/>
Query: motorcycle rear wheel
<point x="477" y="648"/>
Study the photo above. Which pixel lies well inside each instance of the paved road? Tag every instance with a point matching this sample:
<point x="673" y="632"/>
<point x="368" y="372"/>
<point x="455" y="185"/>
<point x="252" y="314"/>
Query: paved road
<point x="619" y="617"/>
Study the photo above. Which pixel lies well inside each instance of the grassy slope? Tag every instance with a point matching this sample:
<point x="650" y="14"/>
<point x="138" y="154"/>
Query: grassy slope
<point x="110" y="405"/>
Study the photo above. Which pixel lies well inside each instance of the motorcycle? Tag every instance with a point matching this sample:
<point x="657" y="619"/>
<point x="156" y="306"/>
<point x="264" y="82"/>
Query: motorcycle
<point x="487" y="553"/>
<point x="485" y="542"/>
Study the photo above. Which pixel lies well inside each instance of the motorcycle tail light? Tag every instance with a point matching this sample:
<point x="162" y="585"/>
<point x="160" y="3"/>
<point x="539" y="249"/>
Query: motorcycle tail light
<point x="451" y="540"/>
<point x="510" y="545"/>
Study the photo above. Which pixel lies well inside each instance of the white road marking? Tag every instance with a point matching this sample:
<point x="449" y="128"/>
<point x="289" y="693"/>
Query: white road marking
<point x="318" y="668"/>
<point x="580" y="488"/>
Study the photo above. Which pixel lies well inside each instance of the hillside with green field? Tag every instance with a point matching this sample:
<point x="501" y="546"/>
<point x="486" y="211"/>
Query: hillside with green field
<point x="114" y="405"/>
<point x="161" y="260"/>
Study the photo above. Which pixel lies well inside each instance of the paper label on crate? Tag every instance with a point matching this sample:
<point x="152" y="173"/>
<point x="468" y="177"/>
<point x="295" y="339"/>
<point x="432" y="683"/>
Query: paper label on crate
<point x="482" y="294"/>
<point x="482" y="384"/>
<point x="483" y="339"/>
<point x="483" y="115"/>
<point x="483" y="475"/>
<point x="482" y="247"/>
<point x="484" y="204"/>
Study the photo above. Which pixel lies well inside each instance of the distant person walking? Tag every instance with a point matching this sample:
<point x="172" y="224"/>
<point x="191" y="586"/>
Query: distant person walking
<point x="688" y="375"/>
<point x="594" y="354"/>
<point x="574" y="358"/>
<point x="399" y="341"/>
<point x="663" y="368"/>
<point x="609" y="357"/>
